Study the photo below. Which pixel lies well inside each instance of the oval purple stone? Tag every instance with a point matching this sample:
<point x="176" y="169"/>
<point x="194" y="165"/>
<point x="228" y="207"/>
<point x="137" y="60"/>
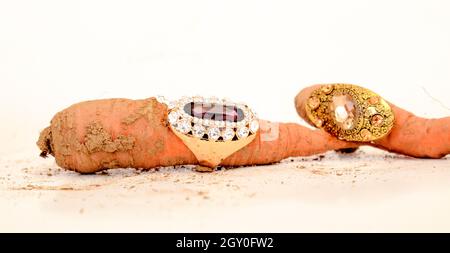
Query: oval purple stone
<point x="213" y="111"/>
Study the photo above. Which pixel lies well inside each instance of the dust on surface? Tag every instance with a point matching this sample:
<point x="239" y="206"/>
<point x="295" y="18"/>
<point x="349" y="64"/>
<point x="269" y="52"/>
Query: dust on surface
<point x="31" y="187"/>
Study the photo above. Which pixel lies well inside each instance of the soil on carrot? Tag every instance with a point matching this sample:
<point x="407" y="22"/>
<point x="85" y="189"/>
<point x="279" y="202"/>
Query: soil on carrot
<point x="148" y="111"/>
<point x="98" y="139"/>
<point x="44" y="142"/>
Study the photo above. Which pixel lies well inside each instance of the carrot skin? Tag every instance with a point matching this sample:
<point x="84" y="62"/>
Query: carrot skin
<point x="416" y="136"/>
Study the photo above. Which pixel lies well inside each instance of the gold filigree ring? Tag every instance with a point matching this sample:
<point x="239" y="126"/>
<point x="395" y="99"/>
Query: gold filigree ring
<point x="350" y="112"/>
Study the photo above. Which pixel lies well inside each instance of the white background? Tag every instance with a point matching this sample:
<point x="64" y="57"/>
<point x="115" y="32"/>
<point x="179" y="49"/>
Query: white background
<point x="55" y="53"/>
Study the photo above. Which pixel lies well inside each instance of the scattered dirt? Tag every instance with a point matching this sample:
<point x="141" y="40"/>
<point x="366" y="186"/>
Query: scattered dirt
<point x="321" y="172"/>
<point x="30" y="187"/>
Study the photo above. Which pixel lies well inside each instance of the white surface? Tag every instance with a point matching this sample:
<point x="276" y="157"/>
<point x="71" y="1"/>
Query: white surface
<point x="55" y="53"/>
<point x="364" y="192"/>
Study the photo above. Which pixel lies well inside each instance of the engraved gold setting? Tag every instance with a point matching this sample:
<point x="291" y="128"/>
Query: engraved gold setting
<point x="350" y="112"/>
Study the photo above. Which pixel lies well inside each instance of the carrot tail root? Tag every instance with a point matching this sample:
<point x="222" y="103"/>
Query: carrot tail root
<point x="45" y="142"/>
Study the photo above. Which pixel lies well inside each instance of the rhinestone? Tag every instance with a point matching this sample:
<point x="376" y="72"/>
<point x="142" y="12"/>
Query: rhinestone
<point x="184" y="126"/>
<point x="197" y="99"/>
<point x="227" y="101"/>
<point x="198" y="131"/>
<point x="213" y="133"/>
<point x="365" y="134"/>
<point x="318" y="123"/>
<point x="313" y="102"/>
<point x="254" y="126"/>
<point x="173" y="117"/>
<point x="327" y="88"/>
<point x="220" y="123"/>
<point x="213" y="99"/>
<point x="377" y="120"/>
<point x="214" y="111"/>
<point x="171" y="104"/>
<point x="347" y="124"/>
<point x="228" y="134"/>
<point x="344" y="111"/>
<point x="371" y="111"/>
<point x="374" y="100"/>
<point x="241" y="123"/>
<point x="242" y="132"/>
<point x="254" y="113"/>
<point x="161" y="99"/>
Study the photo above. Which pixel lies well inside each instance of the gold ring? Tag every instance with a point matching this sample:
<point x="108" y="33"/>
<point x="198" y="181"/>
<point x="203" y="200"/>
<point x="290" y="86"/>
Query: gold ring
<point x="211" y="128"/>
<point x="350" y="112"/>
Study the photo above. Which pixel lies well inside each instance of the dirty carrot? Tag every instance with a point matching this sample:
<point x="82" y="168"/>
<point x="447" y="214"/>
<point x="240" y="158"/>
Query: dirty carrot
<point x="118" y="133"/>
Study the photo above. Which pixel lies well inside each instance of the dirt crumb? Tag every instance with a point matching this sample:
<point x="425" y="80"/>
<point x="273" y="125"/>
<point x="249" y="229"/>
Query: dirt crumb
<point x="33" y="187"/>
<point x="319" y="158"/>
<point x="319" y="172"/>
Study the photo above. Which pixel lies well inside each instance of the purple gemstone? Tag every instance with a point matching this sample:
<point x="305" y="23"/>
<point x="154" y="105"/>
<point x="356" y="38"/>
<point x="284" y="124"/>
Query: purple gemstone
<point x="212" y="111"/>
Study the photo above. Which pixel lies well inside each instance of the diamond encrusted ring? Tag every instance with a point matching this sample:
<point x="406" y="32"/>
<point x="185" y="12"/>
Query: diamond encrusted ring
<point x="212" y="128"/>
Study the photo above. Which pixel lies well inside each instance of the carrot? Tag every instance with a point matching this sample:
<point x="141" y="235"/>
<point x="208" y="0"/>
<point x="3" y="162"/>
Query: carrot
<point x="94" y="135"/>
<point x="411" y="135"/>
